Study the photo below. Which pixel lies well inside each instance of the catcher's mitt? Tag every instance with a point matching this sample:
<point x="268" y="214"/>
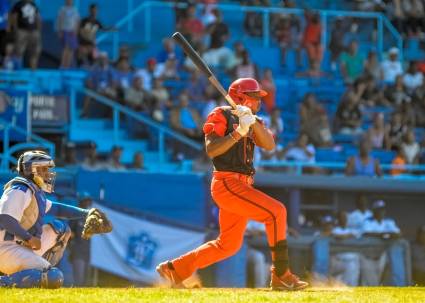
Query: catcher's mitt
<point x="96" y="223"/>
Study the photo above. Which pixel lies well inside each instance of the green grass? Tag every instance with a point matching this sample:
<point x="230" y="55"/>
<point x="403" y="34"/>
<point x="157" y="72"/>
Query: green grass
<point x="133" y="295"/>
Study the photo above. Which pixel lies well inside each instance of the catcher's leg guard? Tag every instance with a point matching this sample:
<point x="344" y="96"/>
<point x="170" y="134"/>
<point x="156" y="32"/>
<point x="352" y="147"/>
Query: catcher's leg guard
<point x="63" y="232"/>
<point x="29" y="278"/>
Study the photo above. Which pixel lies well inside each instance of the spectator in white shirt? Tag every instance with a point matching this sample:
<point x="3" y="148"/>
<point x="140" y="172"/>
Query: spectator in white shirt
<point x="391" y="67"/>
<point x="151" y="72"/>
<point x="345" y="266"/>
<point x="411" y="148"/>
<point x="358" y="216"/>
<point x="412" y="79"/>
<point x="372" y="268"/>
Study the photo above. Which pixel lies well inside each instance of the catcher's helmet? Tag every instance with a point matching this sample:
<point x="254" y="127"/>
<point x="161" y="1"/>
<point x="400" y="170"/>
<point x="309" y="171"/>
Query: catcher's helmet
<point x="34" y="165"/>
<point x="247" y="92"/>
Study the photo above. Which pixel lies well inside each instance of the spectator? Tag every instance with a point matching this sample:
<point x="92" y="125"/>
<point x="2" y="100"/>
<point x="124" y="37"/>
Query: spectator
<point x="257" y="261"/>
<point x="358" y="216"/>
<point x="372" y="266"/>
<point x="413" y="78"/>
<point x="80" y="248"/>
<point x="253" y="22"/>
<point x="326" y="226"/>
<point x="351" y="63"/>
<point x="288" y="35"/>
<point x="345" y="266"/>
<point x="149" y="73"/>
<point x="25" y="21"/>
<point x="185" y="119"/>
<point x="124" y="55"/>
<point x="218" y="55"/>
<point x="91" y="162"/>
<point x="410" y="148"/>
<point x="397" y="93"/>
<point x="4" y="25"/>
<point x="418" y="257"/>
<point x="300" y="151"/>
<point x="349" y="115"/>
<point x="312" y="37"/>
<point x="314" y="121"/>
<point x="114" y="162"/>
<point x="208" y="16"/>
<point x="122" y="77"/>
<point x="168" y="70"/>
<point x="398" y="15"/>
<point x="89" y="27"/>
<point x="363" y="164"/>
<point x="336" y="44"/>
<point x="192" y="27"/>
<point x="168" y="51"/>
<point x="398" y="163"/>
<point x="67" y="25"/>
<point x="372" y="67"/>
<point x="70" y="159"/>
<point x="10" y="60"/>
<point x="395" y="131"/>
<point x="161" y="95"/>
<point x="219" y="31"/>
<point x="376" y="133"/>
<point x="380" y="226"/>
<point x="137" y="97"/>
<point x="138" y="162"/>
<point x="415" y="13"/>
<point x="408" y="115"/>
<point x="246" y="69"/>
<point x="370" y="94"/>
<point x="238" y="50"/>
<point x="267" y="83"/>
<point x="391" y="67"/>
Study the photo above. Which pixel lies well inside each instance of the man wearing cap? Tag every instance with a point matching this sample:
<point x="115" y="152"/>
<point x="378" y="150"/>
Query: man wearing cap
<point x="149" y="73"/>
<point x="372" y="266"/>
<point x="391" y="67"/>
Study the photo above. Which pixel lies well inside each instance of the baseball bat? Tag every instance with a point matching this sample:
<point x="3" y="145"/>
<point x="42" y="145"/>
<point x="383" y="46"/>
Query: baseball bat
<point x="202" y="66"/>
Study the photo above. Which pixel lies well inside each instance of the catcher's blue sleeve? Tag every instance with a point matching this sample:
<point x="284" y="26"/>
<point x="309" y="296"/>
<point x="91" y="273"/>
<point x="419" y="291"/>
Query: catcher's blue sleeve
<point x="65" y="211"/>
<point x="11" y="225"/>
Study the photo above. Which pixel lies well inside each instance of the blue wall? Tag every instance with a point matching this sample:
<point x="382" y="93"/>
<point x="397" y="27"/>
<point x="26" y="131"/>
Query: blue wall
<point x="179" y="197"/>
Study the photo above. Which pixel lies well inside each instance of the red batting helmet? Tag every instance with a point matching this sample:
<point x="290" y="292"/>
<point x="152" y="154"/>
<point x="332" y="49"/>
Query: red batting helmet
<point x="247" y="92"/>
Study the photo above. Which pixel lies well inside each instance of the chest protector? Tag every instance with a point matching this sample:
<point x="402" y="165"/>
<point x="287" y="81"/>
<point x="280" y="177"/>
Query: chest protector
<point x="33" y="215"/>
<point x="239" y="158"/>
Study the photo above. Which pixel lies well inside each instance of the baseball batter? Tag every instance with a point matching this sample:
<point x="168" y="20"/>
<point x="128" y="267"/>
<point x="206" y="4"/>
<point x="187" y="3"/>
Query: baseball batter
<point x="29" y="248"/>
<point x="230" y="138"/>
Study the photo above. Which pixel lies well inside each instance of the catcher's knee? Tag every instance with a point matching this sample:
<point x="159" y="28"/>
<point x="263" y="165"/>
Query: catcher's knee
<point x="48" y="278"/>
<point x="63" y="232"/>
<point x="229" y="248"/>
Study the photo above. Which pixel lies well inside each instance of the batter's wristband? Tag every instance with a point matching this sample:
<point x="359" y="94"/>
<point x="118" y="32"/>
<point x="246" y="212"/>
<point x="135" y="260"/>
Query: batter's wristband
<point x="235" y="136"/>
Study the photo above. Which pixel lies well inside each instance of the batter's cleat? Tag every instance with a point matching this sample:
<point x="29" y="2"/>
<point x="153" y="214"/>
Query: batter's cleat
<point x="167" y="272"/>
<point x="288" y="281"/>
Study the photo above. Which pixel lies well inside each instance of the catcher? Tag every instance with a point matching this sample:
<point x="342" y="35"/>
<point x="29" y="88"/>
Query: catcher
<point x="230" y="138"/>
<point x="29" y="248"/>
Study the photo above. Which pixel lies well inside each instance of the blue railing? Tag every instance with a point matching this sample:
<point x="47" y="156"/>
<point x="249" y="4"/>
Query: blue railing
<point x="382" y="22"/>
<point x="33" y="141"/>
<point x="297" y="167"/>
<point x="118" y="109"/>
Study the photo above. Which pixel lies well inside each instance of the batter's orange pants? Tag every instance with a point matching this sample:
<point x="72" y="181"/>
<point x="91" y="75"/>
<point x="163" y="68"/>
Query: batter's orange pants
<point x="238" y="202"/>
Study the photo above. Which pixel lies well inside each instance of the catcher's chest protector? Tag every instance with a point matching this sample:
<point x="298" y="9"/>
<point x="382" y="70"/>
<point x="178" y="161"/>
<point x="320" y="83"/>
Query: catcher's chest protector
<point x="32" y="218"/>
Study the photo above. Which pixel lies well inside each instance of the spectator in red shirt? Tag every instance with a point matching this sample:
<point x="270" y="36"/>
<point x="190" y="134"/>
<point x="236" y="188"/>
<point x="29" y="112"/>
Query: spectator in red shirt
<point x="312" y="35"/>
<point x="192" y="27"/>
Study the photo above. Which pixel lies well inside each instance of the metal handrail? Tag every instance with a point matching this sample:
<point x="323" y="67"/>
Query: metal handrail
<point x="382" y="21"/>
<point x="120" y="109"/>
<point x="330" y="165"/>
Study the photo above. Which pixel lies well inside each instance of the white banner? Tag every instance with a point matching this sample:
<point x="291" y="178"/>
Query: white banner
<point x="135" y="246"/>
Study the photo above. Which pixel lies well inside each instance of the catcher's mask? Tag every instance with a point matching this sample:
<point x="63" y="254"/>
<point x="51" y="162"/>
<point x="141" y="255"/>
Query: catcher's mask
<point x="247" y="92"/>
<point x="36" y="165"/>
